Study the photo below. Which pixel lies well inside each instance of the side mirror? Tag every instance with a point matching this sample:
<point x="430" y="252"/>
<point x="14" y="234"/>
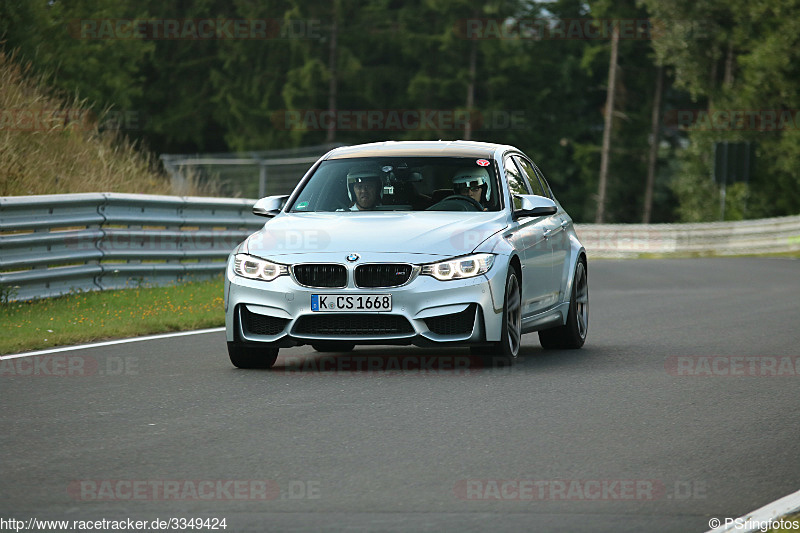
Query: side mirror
<point x="532" y="205"/>
<point x="269" y="206"/>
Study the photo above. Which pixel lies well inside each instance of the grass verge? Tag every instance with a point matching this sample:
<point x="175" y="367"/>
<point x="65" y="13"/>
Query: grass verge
<point x="52" y="143"/>
<point x="793" y="521"/>
<point x="92" y="316"/>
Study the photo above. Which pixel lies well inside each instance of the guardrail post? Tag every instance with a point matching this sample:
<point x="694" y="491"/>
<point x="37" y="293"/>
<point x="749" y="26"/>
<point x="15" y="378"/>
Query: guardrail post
<point x="262" y="180"/>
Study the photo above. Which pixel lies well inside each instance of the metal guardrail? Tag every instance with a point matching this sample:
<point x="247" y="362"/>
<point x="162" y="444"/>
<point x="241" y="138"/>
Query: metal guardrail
<point x="245" y="174"/>
<point x="767" y="235"/>
<point x="55" y="244"/>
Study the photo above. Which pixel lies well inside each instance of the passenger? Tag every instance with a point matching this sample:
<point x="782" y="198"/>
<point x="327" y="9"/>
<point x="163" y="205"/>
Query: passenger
<point x="475" y="183"/>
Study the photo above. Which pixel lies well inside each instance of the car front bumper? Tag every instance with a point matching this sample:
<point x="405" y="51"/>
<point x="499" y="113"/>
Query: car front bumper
<point x="433" y="309"/>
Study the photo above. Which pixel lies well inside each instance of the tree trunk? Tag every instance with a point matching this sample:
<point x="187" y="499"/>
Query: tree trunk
<point x="712" y="86"/>
<point x="728" y="79"/>
<point x="330" y="135"/>
<point x="473" y="58"/>
<point x="654" y="140"/>
<point x="609" y="123"/>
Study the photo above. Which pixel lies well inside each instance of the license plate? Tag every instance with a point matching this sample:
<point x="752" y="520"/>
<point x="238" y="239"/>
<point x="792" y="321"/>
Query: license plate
<point x="351" y="302"/>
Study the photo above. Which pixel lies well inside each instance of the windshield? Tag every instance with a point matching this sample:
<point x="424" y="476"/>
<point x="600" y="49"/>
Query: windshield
<point x="401" y="184"/>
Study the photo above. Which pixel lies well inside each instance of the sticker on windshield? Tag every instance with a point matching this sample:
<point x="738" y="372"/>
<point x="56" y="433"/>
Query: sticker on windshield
<point x="302" y="205"/>
<point x="482" y="162"/>
<point x="387" y="168"/>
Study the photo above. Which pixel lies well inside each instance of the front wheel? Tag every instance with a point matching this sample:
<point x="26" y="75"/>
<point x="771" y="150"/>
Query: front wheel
<point x="251" y="357"/>
<point x="506" y="351"/>
<point x="572" y="334"/>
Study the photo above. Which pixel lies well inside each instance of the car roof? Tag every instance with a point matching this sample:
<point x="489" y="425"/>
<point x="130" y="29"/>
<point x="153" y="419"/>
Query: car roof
<point x="417" y="148"/>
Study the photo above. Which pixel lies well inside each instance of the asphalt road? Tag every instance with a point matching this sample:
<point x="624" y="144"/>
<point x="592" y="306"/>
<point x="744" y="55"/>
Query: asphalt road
<point x="644" y="429"/>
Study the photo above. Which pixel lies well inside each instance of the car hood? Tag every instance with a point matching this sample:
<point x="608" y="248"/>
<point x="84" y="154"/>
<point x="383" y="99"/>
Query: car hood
<point x="433" y="234"/>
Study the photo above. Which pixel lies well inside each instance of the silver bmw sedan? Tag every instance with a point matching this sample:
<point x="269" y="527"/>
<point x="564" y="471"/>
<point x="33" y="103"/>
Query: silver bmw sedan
<point x="437" y="243"/>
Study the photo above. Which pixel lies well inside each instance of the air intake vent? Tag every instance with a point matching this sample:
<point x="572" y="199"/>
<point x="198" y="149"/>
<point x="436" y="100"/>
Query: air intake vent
<point x="262" y="324"/>
<point x="384" y="275"/>
<point x="321" y="275"/>
<point x="455" y="324"/>
<point x="352" y="324"/>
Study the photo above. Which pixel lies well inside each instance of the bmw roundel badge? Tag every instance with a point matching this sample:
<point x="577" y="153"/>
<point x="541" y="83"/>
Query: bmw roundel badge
<point x="353" y="258"/>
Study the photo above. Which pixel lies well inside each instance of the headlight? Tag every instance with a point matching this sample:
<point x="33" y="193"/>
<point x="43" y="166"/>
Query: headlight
<point x="462" y="267"/>
<point x="251" y="267"/>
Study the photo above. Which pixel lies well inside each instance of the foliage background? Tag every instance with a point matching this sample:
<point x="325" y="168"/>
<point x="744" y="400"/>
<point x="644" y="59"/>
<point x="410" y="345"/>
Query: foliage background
<point x="224" y="95"/>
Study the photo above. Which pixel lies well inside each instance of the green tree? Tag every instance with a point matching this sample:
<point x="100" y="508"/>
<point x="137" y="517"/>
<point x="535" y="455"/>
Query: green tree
<point x="48" y="34"/>
<point x="736" y="56"/>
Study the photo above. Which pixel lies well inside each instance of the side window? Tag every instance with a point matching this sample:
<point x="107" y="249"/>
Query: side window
<point x="516" y="183"/>
<point x="546" y="185"/>
<point x="530" y="174"/>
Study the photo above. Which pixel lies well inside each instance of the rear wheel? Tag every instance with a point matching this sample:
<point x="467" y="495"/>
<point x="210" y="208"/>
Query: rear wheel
<point x="251" y="357"/>
<point x="572" y="334"/>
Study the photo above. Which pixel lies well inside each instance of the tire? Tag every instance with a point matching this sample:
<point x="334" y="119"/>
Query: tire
<point x="506" y="352"/>
<point x="251" y="357"/>
<point x="571" y="335"/>
<point x="333" y="346"/>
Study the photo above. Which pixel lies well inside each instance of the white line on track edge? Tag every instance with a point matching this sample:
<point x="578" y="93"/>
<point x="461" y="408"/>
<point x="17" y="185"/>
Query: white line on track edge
<point x="772" y="511"/>
<point x="111" y="343"/>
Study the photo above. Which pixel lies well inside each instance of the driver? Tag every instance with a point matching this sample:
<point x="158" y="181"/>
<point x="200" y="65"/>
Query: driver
<point x="475" y="183"/>
<point x="364" y="187"/>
